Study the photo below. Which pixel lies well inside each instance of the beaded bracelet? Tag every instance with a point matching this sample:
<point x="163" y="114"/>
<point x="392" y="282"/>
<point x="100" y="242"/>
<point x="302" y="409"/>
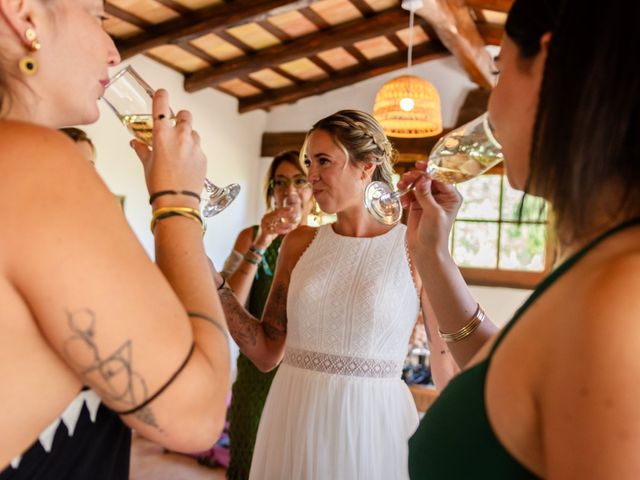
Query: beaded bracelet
<point x="252" y="260"/>
<point x="467" y="330"/>
<point x="257" y="251"/>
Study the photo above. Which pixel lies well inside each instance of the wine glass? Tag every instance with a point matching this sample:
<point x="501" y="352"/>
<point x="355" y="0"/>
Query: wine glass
<point x="464" y="153"/>
<point x="293" y="201"/>
<point x="130" y="98"/>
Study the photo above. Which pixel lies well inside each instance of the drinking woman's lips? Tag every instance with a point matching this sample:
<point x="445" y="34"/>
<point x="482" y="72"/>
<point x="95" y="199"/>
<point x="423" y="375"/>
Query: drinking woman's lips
<point x="104" y="83"/>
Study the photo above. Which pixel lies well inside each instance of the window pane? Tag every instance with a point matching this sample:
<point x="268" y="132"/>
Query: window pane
<point x="481" y="198"/>
<point x="531" y="212"/>
<point x="475" y="244"/>
<point x="522" y="247"/>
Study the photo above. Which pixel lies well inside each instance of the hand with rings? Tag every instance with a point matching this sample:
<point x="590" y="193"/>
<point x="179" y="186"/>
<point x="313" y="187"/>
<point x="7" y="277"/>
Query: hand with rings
<point x="274" y="223"/>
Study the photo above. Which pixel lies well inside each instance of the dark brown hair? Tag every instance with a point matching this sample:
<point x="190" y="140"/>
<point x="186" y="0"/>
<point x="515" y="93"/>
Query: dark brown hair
<point x="585" y="136"/>
<point x="78" y="135"/>
<point x="291" y="157"/>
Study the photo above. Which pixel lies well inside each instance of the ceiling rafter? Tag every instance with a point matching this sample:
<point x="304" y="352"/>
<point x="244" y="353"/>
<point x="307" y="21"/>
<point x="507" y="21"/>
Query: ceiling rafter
<point x="187" y="27"/>
<point x="125" y="16"/>
<point x="494" y="5"/>
<point x="348" y="76"/>
<point x="348" y="33"/>
<point x="455" y="28"/>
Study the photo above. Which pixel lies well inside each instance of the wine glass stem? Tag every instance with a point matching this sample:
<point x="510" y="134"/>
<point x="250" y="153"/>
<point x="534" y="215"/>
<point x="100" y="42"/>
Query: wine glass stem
<point x="398" y="193"/>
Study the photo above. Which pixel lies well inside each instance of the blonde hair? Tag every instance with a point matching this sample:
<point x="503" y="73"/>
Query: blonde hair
<point x="362" y="140"/>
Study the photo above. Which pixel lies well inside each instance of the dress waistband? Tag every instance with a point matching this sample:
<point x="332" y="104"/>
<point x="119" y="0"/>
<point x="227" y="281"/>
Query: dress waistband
<point x="342" y="365"/>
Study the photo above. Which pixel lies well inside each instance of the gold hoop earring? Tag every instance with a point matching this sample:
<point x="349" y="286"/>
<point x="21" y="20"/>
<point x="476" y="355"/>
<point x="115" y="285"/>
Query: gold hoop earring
<point x="27" y="64"/>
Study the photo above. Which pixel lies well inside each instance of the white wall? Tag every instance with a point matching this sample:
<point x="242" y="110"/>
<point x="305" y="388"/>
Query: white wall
<point x="230" y="141"/>
<point x="499" y="303"/>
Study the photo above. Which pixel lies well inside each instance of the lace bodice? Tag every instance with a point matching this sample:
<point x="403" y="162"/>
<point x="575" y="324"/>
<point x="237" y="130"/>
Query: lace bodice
<point x="353" y="296"/>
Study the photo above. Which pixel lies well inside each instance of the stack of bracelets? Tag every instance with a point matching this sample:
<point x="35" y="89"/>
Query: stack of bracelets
<point x="466" y="330"/>
<point x="254" y="255"/>
<point x="167" y="212"/>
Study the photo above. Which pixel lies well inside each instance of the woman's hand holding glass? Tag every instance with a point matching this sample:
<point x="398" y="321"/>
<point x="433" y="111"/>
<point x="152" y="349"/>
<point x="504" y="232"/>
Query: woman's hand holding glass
<point x="433" y="207"/>
<point x="176" y="161"/>
<point x="130" y="98"/>
<point x="277" y="222"/>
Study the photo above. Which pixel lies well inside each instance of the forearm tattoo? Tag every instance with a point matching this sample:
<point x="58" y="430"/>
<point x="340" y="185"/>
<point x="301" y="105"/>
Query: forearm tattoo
<point x="112" y="372"/>
<point x="274" y="320"/>
<point x="243" y="326"/>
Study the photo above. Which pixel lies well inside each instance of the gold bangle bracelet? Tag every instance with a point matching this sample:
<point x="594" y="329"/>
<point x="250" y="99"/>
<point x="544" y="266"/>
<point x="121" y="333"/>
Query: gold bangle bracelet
<point x="467" y="330"/>
<point x="166" y="212"/>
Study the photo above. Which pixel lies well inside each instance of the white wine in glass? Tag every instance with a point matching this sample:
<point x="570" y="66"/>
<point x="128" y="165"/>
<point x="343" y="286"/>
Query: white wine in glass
<point x="464" y="153"/>
<point x="131" y="98"/>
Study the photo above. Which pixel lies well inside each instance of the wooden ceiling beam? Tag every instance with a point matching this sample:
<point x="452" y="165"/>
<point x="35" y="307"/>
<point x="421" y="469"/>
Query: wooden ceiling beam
<point x="274" y="143"/>
<point x="209" y="19"/>
<point x="455" y="28"/>
<point x="126" y="16"/>
<point x="341" y="78"/>
<point x="308" y="45"/>
<point x="494" y="5"/>
<point x="491" y="33"/>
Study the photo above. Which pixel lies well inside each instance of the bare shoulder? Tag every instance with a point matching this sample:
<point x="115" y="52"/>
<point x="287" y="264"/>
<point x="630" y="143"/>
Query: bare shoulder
<point x="23" y="142"/>
<point x="296" y="243"/>
<point x="614" y="289"/>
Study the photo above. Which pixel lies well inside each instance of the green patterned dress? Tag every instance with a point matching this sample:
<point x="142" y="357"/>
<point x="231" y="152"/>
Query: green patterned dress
<point x="249" y="391"/>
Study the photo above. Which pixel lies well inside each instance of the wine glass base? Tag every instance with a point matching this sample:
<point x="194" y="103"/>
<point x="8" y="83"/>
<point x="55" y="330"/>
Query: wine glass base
<point x="221" y="199"/>
<point x="381" y="205"/>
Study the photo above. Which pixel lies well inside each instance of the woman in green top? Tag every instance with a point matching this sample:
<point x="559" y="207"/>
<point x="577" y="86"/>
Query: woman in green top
<point x="249" y="272"/>
<point x="556" y="394"/>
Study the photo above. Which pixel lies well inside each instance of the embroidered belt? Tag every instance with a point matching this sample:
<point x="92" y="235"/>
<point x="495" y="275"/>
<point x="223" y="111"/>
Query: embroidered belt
<point x="342" y="365"/>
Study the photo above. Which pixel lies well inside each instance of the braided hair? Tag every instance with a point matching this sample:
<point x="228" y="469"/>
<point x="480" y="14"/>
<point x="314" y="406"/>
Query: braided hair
<point x="362" y="140"/>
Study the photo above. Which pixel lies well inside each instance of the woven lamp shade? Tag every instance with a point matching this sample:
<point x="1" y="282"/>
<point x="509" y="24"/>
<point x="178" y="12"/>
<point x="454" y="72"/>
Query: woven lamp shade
<point x="423" y="120"/>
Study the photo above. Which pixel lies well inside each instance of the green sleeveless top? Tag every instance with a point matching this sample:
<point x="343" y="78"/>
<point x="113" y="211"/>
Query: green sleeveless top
<point x="455" y="439"/>
<point x="249" y="391"/>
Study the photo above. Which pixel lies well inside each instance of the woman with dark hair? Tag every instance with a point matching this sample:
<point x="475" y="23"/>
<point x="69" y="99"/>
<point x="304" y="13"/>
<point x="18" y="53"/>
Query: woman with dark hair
<point x="342" y="306"/>
<point x="249" y="272"/>
<point x="555" y="394"/>
<point x="96" y="339"/>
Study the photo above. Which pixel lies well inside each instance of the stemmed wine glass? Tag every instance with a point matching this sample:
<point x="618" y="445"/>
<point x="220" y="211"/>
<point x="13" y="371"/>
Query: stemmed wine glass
<point x="130" y="98"/>
<point x="464" y="153"/>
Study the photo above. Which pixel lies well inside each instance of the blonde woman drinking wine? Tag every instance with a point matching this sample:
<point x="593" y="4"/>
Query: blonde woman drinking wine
<point x="342" y="306"/>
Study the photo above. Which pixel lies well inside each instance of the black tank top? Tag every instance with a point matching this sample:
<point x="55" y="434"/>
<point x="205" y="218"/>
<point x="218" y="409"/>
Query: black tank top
<point x="88" y="441"/>
<point x="455" y="439"/>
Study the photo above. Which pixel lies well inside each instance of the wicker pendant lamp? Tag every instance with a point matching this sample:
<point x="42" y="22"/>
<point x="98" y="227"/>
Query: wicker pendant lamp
<point x="409" y="106"/>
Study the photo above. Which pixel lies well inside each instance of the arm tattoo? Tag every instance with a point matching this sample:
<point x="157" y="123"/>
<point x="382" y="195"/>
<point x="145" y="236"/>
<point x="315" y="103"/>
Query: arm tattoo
<point x="275" y="316"/>
<point x="114" y="371"/>
<point x="213" y="322"/>
<point x="242" y="325"/>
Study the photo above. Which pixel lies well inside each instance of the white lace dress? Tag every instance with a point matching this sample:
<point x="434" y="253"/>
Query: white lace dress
<point x="337" y="408"/>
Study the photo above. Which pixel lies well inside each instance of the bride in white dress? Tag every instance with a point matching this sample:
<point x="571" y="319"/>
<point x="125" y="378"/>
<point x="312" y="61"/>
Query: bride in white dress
<point x="342" y="306"/>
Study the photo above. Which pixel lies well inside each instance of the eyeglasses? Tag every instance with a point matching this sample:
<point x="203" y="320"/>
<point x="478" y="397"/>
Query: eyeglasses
<point x="282" y="183"/>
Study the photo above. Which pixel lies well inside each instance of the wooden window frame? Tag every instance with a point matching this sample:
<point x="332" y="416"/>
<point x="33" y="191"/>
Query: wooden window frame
<point x="496" y="277"/>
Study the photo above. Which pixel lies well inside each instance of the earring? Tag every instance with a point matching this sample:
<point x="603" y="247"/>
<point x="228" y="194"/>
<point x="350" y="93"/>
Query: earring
<point x="28" y="65"/>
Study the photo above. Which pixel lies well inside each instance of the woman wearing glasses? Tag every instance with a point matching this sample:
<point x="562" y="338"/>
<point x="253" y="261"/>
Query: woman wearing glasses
<point x="249" y="272"/>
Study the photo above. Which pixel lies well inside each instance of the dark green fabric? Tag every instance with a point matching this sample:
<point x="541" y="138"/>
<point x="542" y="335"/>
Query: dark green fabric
<point x="249" y="391"/>
<point x="455" y="440"/>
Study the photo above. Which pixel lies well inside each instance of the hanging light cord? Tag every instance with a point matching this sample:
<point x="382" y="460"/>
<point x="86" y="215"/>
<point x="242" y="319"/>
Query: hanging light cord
<point x="410" y="50"/>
